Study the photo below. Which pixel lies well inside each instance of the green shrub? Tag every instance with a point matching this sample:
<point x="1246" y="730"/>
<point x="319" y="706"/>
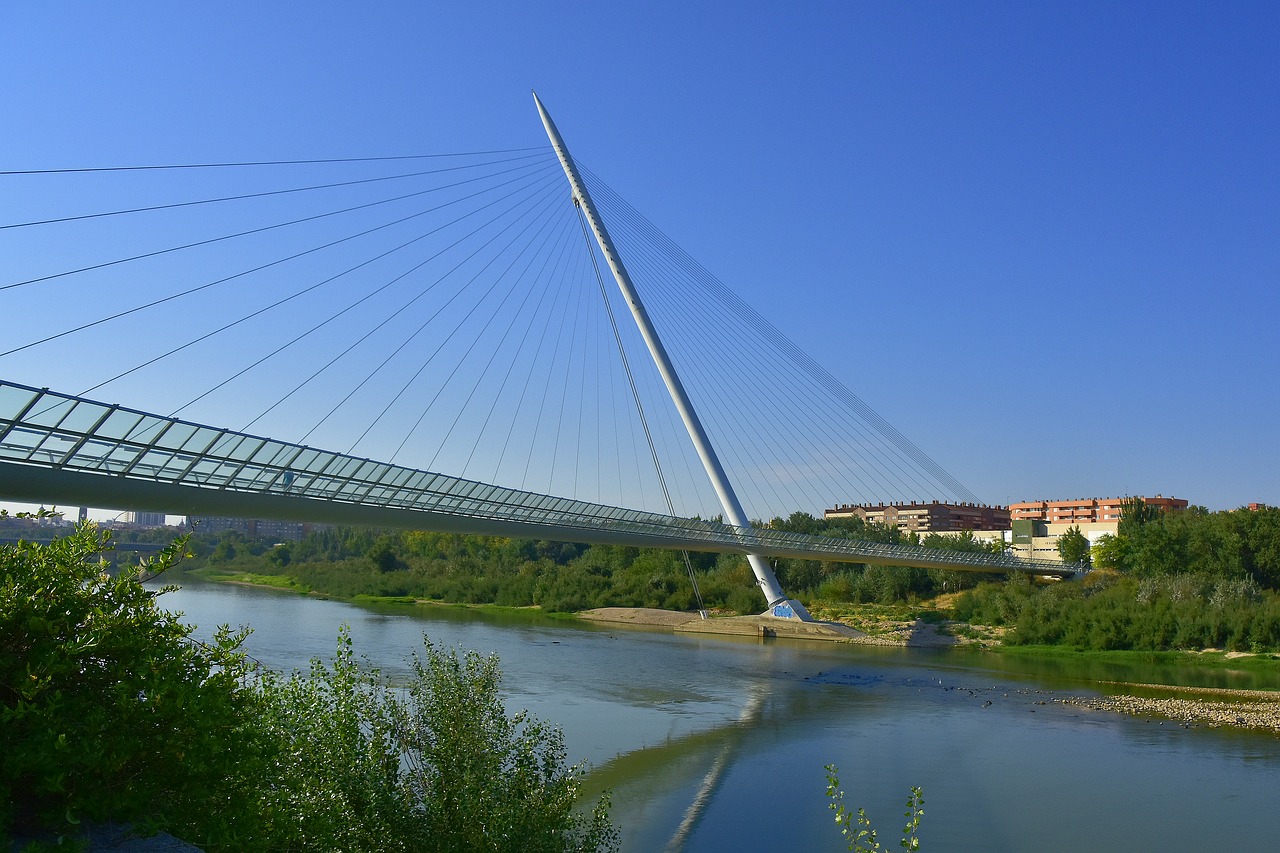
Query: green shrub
<point x="838" y="588"/>
<point x="746" y="601"/>
<point x="436" y="765"/>
<point x="1153" y="613"/>
<point x="108" y="709"/>
<point x="111" y="711"/>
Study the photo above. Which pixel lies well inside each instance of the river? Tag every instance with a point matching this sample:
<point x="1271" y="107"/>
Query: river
<point x="715" y="743"/>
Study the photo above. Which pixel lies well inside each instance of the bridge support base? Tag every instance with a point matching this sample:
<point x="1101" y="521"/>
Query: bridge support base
<point x="789" y="609"/>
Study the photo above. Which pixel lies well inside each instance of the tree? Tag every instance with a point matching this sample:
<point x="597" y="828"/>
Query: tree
<point x="1135" y="513"/>
<point x="436" y="766"/>
<point x="799" y="522"/>
<point x="382" y="554"/>
<point x="1110" y="552"/>
<point x="1073" y="546"/>
<point x="109" y="711"/>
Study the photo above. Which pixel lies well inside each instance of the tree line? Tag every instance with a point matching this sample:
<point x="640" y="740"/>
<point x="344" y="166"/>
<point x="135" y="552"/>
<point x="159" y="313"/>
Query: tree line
<point x="1190" y="579"/>
<point x="557" y="576"/>
<point x="1182" y="580"/>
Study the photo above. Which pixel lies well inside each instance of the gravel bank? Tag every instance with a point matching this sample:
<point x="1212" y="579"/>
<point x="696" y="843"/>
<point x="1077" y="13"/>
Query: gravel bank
<point x="1194" y="706"/>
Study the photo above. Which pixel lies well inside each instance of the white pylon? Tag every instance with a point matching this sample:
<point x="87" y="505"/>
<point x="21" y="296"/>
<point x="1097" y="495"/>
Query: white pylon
<point x="779" y="605"/>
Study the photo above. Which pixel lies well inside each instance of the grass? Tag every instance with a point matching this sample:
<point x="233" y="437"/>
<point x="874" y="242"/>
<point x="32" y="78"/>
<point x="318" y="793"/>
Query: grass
<point x="879" y="620"/>
<point x="844" y="610"/>
<point x="362" y="598"/>
<point x="272" y="581"/>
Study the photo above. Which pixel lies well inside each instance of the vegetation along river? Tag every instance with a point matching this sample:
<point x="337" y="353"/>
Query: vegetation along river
<point x="719" y="743"/>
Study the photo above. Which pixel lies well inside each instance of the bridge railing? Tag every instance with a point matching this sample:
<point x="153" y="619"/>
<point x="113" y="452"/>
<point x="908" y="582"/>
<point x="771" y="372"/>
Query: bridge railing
<point x="42" y="428"/>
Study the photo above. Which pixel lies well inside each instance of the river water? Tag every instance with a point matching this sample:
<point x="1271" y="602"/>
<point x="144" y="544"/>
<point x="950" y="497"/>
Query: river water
<point x="714" y="743"/>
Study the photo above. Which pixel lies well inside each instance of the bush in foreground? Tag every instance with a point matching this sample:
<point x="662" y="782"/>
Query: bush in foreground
<point x="437" y="765"/>
<point x="109" y="710"/>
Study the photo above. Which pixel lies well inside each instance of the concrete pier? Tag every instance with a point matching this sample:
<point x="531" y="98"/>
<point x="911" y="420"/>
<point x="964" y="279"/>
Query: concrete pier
<point x="692" y="623"/>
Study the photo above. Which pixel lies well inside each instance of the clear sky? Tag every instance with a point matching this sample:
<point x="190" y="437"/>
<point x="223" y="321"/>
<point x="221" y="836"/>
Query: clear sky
<point x="1043" y="240"/>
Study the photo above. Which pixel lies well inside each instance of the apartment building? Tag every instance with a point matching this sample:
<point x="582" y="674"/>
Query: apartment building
<point x="1085" y="510"/>
<point x="254" y="528"/>
<point x="930" y="517"/>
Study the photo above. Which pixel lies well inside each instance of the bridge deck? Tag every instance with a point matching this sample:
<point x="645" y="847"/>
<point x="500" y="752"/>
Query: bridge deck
<point x="56" y="447"/>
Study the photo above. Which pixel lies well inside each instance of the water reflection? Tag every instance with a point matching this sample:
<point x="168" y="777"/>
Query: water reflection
<point x="751" y="713"/>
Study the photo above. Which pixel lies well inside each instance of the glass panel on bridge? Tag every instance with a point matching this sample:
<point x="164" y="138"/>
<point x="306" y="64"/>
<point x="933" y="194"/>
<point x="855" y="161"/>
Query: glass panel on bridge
<point x="204" y="470"/>
<point x="244" y="448"/>
<point x="384" y="474"/>
<point x="361" y="474"/>
<point x="259" y="477"/>
<point x="81" y="418"/>
<point x="271" y="452"/>
<point x="398" y="477"/>
<point x="13" y="400"/>
<point x="158" y="463"/>
<point x="225" y="443"/>
<point x="119" y="424"/>
<point x="53" y="448"/>
<point x="438" y="483"/>
<point x="415" y="480"/>
<point x="311" y="460"/>
<point x="482" y="492"/>
<point x="49" y="411"/>
<point x="177" y="435"/>
<point x="198" y="441"/>
<point x="379" y="495"/>
<point x="20" y="441"/>
<point x="100" y="456"/>
<point x="342" y="467"/>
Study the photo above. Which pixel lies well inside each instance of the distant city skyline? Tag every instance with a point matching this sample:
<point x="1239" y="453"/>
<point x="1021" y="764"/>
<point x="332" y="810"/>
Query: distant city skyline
<point x="1039" y="240"/>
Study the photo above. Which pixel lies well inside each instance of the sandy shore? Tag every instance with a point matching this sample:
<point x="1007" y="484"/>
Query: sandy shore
<point x="916" y="634"/>
<point x="746" y="626"/>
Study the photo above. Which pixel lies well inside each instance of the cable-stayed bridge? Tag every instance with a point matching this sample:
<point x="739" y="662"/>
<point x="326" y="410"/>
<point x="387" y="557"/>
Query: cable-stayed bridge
<point x="455" y="313"/>
<point x="85" y="452"/>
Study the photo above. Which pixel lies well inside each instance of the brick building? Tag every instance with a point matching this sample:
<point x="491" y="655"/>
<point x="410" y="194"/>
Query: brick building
<point x="931" y="517"/>
<point x="1085" y="510"/>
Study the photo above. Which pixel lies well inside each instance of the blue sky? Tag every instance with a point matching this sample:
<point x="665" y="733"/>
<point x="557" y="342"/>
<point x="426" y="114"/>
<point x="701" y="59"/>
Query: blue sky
<point x="1042" y="240"/>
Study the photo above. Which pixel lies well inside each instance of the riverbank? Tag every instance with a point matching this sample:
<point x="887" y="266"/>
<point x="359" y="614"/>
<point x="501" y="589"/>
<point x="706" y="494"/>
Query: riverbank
<point x="917" y="633"/>
<point x="1213" y="707"/>
<point x="693" y="623"/>
<point x="1190" y="706"/>
<point x="878" y="626"/>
